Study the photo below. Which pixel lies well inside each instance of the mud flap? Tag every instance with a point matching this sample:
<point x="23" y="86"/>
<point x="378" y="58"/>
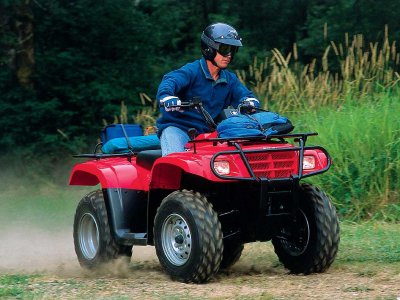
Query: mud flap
<point x="127" y="213"/>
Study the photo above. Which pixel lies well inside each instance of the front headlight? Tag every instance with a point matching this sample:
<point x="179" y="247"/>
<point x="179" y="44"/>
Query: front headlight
<point x="308" y="162"/>
<point x="222" y="167"/>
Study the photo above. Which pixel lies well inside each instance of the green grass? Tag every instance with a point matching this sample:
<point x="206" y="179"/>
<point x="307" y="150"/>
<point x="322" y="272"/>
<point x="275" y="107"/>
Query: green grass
<point x="363" y="139"/>
<point x="369" y="242"/>
<point x="15" y="285"/>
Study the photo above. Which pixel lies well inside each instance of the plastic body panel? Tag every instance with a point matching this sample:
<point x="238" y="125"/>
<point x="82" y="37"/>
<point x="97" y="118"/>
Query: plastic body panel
<point x="127" y="212"/>
<point x="118" y="172"/>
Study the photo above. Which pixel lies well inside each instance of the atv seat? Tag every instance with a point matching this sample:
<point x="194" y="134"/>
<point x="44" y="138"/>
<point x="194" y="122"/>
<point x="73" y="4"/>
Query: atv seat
<point x="147" y="158"/>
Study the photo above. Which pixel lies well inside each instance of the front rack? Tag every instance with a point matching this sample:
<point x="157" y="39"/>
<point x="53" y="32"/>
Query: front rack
<point x="259" y="138"/>
<point x="269" y="138"/>
<point x="300" y="138"/>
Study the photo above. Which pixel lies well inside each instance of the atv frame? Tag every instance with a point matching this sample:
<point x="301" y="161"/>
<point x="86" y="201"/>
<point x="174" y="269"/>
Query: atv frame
<point x="199" y="207"/>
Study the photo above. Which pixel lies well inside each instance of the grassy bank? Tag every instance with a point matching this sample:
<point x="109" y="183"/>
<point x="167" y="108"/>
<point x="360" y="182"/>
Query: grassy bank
<point x="364" y="140"/>
<point x="350" y="96"/>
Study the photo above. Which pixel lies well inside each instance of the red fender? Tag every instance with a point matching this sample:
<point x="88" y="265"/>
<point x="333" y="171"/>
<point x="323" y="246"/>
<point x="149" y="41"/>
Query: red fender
<point x="111" y="173"/>
<point x="167" y="170"/>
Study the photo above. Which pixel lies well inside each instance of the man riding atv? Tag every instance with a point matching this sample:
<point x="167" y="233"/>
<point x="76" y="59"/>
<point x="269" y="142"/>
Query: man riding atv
<point x="199" y="207"/>
<point x="206" y="78"/>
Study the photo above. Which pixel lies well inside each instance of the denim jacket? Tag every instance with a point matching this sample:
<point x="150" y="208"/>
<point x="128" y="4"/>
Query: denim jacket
<point x="194" y="80"/>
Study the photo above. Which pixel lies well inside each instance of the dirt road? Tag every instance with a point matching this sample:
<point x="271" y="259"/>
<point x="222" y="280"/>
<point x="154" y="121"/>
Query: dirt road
<point x="258" y="274"/>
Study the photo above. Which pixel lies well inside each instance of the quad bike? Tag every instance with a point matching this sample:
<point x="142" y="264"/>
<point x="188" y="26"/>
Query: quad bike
<point x="199" y="207"/>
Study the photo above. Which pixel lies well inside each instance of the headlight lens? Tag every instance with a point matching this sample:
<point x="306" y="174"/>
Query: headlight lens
<point x="222" y="167"/>
<point x="308" y="162"/>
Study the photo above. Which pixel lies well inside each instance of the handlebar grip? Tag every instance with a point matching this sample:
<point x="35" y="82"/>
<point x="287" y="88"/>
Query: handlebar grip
<point x="183" y="104"/>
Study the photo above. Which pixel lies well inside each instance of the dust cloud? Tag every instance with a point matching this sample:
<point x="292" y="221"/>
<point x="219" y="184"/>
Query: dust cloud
<point x="36" y="214"/>
<point x="31" y="250"/>
<point x="36" y="250"/>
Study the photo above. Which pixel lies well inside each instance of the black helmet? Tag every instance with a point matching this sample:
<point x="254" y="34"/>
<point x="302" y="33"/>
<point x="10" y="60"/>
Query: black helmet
<point x="216" y="35"/>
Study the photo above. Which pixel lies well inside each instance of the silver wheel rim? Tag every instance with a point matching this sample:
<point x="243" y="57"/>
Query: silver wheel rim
<point x="297" y="247"/>
<point x="176" y="239"/>
<point x="88" y="236"/>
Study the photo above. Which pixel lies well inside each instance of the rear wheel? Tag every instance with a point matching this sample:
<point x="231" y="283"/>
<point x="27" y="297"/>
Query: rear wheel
<point x="309" y="243"/>
<point x="188" y="237"/>
<point x="94" y="244"/>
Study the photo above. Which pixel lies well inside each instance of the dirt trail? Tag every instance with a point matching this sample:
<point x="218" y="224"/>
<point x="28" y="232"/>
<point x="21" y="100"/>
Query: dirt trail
<point x="257" y="275"/>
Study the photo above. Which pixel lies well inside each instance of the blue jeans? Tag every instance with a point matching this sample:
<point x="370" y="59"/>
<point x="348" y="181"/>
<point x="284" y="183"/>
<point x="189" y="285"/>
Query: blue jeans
<point x="173" y="139"/>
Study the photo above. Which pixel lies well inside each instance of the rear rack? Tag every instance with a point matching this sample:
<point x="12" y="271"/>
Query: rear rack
<point x="98" y="155"/>
<point x="300" y="138"/>
<point x="103" y="155"/>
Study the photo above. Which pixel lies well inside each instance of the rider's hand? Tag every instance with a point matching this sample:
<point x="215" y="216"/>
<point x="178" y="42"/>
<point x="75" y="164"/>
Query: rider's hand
<point x="170" y="103"/>
<point x="251" y="102"/>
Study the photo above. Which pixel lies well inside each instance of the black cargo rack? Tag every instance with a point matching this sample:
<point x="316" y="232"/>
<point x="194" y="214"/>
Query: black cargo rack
<point x="301" y="138"/>
<point x="99" y="155"/>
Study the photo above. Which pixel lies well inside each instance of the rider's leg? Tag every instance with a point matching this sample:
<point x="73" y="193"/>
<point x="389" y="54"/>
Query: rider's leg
<point x="173" y="139"/>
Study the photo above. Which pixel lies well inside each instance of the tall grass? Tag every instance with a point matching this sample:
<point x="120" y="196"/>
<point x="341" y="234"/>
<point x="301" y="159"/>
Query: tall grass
<point x="350" y="96"/>
<point x="364" y="141"/>
<point x="349" y="70"/>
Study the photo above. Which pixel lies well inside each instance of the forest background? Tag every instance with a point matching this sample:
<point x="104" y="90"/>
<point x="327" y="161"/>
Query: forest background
<point x="69" y="67"/>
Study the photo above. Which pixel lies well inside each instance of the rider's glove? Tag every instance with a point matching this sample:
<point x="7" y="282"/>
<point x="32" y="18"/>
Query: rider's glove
<point x="169" y="102"/>
<point x="251" y="102"/>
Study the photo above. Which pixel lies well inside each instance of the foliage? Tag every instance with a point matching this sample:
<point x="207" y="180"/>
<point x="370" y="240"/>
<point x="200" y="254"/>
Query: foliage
<point x="89" y="55"/>
<point x="88" y="59"/>
<point x="357" y="72"/>
<point x="355" y="110"/>
<point x="363" y="139"/>
<point x="330" y="20"/>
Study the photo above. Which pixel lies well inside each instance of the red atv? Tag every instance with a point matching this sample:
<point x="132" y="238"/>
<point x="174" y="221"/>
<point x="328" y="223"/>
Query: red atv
<point x="199" y="207"/>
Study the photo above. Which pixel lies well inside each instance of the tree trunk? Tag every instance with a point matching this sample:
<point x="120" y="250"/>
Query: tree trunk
<point x="22" y="26"/>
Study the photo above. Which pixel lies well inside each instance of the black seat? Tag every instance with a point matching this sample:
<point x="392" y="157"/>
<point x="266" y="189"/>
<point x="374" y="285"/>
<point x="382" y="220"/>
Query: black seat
<point x="147" y="158"/>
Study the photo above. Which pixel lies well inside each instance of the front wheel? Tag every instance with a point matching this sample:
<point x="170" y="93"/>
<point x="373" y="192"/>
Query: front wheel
<point x="188" y="237"/>
<point x="94" y="244"/>
<point x="309" y="243"/>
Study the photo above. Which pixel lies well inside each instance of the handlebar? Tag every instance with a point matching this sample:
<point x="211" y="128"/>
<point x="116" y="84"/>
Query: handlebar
<point x="197" y="104"/>
<point x="186" y="104"/>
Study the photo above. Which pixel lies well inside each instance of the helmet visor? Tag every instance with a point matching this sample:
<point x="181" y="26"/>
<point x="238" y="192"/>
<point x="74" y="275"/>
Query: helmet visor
<point x="225" y="50"/>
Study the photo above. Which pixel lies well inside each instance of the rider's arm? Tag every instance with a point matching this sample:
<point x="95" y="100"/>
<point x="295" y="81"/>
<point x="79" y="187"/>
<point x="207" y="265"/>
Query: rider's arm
<point x="173" y="82"/>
